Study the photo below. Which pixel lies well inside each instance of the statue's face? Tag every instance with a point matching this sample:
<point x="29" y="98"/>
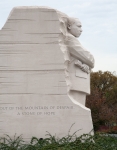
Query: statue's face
<point x="76" y="28"/>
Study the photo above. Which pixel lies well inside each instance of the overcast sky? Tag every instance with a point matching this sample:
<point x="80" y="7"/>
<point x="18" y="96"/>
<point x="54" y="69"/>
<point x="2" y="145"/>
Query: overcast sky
<point x="99" y="21"/>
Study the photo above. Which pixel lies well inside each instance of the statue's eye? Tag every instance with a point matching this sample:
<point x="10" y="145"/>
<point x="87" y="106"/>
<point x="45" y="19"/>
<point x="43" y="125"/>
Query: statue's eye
<point x="79" y="26"/>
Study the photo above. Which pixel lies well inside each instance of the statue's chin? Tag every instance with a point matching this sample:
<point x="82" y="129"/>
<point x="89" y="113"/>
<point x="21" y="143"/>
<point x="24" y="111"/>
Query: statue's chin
<point x="74" y="34"/>
<point x="77" y="36"/>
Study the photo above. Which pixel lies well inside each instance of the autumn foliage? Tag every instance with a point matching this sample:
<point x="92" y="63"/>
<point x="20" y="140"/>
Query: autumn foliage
<point x="103" y="100"/>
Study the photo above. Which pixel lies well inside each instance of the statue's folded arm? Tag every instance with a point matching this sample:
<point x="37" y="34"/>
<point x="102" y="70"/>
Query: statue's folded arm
<point x="84" y="56"/>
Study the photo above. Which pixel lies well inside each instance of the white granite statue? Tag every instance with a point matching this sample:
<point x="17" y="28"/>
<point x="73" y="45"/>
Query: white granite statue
<point x="78" y="60"/>
<point x="44" y="74"/>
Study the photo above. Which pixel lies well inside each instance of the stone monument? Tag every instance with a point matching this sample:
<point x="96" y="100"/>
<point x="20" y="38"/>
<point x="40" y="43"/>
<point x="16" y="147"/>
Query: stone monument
<point x="44" y="74"/>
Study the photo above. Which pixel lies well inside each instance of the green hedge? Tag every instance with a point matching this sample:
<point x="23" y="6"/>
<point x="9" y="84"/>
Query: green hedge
<point x="84" y="142"/>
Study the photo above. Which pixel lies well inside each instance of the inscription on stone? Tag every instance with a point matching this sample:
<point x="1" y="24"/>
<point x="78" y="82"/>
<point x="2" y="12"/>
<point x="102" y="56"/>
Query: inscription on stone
<point x="35" y="110"/>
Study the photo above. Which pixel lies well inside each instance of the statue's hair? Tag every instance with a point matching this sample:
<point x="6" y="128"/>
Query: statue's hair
<point x="71" y="20"/>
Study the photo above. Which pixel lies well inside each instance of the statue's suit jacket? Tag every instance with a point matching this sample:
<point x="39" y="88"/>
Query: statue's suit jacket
<point x="80" y="80"/>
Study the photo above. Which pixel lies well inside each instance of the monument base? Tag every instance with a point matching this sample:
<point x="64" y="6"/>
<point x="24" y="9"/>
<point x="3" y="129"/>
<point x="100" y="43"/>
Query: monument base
<point x="35" y="114"/>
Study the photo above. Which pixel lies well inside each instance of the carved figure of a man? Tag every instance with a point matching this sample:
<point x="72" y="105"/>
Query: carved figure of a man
<point x="80" y="64"/>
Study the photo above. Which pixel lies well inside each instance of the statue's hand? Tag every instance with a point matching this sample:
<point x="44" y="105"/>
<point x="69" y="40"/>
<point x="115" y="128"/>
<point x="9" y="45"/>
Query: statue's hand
<point x="85" y="68"/>
<point x="82" y="66"/>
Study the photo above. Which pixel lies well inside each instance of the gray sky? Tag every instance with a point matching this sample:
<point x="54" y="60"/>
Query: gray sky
<point x="99" y="21"/>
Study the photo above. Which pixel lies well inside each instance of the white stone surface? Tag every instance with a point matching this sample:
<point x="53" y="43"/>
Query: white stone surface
<point x="41" y="87"/>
